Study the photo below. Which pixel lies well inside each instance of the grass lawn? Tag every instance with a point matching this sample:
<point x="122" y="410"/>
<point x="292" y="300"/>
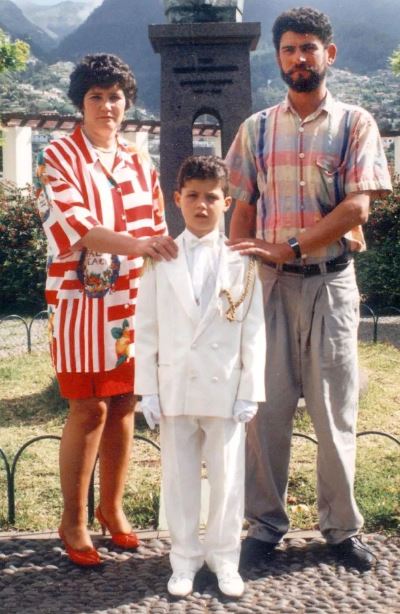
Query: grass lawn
<point x="30" y="407"/>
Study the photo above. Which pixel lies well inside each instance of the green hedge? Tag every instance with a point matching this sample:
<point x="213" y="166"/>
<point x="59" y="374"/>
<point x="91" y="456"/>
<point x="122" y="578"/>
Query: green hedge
<point x="22" y="251"/>
<point x="378" y="269"/>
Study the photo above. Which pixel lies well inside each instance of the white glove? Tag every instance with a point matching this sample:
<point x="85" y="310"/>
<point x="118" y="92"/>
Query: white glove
<point x="151" y="409"/>
<point x="244" y="411"/>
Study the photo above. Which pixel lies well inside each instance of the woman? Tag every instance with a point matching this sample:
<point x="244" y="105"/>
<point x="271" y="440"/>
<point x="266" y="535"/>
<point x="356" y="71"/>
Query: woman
<point x="102" y="211"/>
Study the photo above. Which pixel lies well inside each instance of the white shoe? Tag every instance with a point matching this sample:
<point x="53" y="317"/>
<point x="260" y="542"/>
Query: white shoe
<point x="230" y="583"/>
<point x="180" y="583"/>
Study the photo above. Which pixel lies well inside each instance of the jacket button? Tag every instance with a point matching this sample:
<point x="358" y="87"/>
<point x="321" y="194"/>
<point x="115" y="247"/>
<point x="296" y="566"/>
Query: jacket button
<point x="214" y="379"/>
<point x="214" y="346"/>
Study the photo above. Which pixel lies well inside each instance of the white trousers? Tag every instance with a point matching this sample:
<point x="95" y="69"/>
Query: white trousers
<point x="185" y="442"/>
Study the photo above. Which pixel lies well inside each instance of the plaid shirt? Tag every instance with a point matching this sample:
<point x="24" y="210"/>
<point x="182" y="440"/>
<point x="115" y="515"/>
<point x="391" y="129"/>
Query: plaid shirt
<point x="296" y="171"/>
<point x="91" y="296"/>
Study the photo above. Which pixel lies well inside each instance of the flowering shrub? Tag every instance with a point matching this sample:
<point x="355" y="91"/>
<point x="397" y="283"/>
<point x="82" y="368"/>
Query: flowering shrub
<point x="378" y="269"/>
<point x="22" y="251"/>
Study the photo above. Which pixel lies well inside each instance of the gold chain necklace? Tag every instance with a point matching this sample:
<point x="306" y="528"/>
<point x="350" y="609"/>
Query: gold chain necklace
<point x="249" y="283"/>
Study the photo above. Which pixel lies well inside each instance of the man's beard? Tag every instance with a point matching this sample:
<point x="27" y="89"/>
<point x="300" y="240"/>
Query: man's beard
<point x="304" y="84"/>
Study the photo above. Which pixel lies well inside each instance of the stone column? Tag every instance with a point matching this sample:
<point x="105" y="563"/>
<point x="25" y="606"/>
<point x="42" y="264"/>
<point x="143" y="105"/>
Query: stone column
<point x="17" y="155"/>
<point x="205" y="68"/>
<point x="397" y="155"/>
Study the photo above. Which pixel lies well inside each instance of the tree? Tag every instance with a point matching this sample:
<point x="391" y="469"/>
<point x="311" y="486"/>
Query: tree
<point x="22" y="251"/>
<point x="378" y="269"/>
<point x="13" y="55"/>
<point x="395" y="61"/>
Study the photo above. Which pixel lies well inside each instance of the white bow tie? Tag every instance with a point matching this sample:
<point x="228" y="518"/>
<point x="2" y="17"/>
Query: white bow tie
<point x="192" y="241"/>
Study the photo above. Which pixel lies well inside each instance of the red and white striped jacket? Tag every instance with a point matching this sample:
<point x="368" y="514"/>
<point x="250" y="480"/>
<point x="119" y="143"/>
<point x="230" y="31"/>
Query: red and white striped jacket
<point x="91" y="296"/>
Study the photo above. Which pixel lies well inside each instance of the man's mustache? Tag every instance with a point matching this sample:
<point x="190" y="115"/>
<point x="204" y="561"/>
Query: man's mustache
<point x="301" y="67"/>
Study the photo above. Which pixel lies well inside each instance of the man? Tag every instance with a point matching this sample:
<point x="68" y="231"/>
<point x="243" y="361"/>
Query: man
<point x="303" y="173"/>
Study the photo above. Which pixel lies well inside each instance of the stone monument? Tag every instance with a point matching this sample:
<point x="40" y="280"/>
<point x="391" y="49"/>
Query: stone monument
<point x="205" y="69"/>
<point x="189" y="11"/>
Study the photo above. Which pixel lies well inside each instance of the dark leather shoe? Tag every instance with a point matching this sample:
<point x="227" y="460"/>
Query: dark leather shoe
<point x="254" y="551"/>
<point x="354" y="553"/>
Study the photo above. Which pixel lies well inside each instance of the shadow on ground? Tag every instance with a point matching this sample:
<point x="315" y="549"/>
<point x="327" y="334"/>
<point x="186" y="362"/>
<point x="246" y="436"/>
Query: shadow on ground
<point x="301" y="578"/>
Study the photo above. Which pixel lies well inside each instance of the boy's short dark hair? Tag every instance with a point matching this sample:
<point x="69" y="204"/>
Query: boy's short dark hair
<point x="101" y="70"/>
<point x="303" y="20"/>
<point x="203" y="167"/>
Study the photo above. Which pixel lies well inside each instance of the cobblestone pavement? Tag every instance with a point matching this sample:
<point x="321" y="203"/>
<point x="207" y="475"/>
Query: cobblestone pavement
<point x="302" y="578"/>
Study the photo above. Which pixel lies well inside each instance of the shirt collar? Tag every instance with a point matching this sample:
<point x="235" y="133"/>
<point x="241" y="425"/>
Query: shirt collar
<point x="91" y="154"/>
<point x="326" y="105"/>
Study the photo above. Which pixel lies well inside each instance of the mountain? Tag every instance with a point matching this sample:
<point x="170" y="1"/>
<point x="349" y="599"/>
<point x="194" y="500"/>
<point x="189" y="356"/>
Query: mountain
<point x="14" y="23"/>
<point x="59" y="19"/>
<point x="366" y="34"/>
<point x="120" y="26"/>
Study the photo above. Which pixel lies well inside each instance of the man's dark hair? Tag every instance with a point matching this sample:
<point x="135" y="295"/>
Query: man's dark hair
<point x="101" y="70"/>
<point x="303" y="20"/>
<point x="203" y="167"/>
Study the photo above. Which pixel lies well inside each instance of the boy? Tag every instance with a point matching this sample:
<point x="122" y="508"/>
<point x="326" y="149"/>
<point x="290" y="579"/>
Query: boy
<point x="200" y="342"/>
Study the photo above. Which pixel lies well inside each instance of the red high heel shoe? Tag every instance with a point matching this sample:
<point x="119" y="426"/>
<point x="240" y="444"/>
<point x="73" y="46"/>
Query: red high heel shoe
<point x="123" y="540"/>
<point x="84" y="558"/>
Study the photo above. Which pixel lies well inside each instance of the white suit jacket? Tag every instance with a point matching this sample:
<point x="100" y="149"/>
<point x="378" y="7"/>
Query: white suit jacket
<point x="199" y="365"/>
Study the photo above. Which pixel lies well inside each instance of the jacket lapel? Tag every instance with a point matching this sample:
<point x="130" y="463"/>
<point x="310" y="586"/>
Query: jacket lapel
<point x="229" y="267"/>
<point x="177" y="273"/>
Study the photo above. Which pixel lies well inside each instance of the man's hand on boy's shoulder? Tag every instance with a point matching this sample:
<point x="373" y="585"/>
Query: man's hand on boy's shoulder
<point x="272" y="252"/>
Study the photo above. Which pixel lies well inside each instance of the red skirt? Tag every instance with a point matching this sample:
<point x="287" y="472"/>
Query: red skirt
<point x="100" y="385"/>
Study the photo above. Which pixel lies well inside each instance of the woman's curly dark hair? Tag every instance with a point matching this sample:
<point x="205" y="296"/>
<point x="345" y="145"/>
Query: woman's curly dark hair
<point x="303" y="20"/>
<point x="102" y="70"/>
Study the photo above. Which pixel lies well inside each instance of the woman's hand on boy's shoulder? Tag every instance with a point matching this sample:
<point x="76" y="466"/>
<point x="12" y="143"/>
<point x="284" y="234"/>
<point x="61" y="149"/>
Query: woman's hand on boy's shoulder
<point x="159" y="248"/>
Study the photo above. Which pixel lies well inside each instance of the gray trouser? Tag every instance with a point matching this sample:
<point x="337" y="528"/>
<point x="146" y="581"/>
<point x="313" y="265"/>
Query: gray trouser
<point x="311" y="350"/>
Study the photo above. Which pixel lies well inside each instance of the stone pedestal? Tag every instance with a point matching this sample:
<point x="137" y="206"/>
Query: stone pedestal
<point x="205" y="69"/>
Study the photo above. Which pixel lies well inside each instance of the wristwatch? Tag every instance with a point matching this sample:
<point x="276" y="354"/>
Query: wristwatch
<point x="294" y="244"/>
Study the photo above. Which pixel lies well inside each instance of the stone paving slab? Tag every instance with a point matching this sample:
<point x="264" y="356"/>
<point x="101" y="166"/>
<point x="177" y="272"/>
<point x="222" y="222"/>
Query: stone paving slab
<point x="36" y="577"/>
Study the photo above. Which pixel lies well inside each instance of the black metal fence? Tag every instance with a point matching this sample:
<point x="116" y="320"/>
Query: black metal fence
<point x="34" y="336"/>
<point x="11" y="469"/>
<point x="34" y="329"/>
<point x="33" y="332"/>
<point x="377" y="315"/>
